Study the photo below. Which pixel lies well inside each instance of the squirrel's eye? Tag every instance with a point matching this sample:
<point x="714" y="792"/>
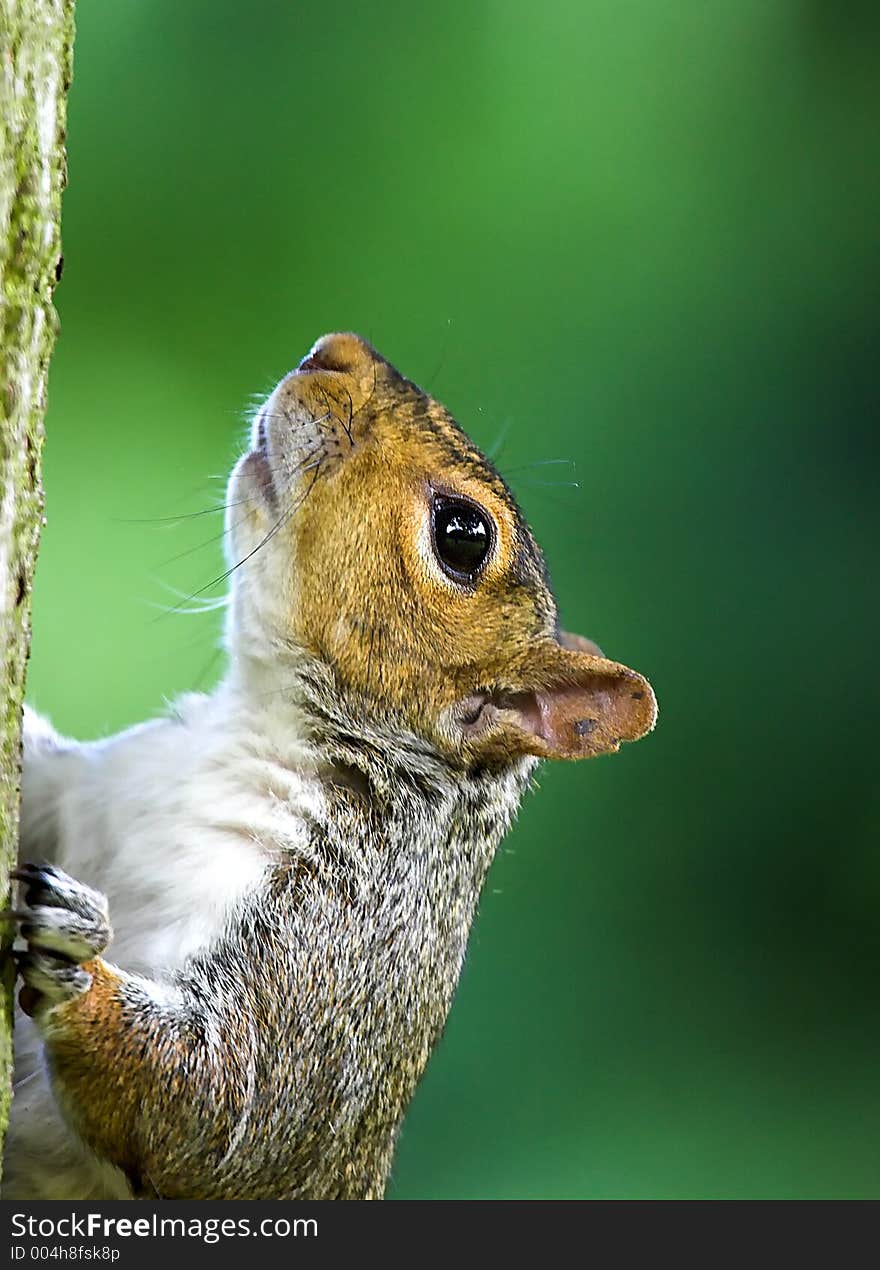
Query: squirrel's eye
<point x="462" y="537"/>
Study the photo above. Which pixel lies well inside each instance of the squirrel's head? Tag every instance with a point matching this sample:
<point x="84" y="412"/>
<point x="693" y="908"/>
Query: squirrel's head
<point x="377" y="540"/>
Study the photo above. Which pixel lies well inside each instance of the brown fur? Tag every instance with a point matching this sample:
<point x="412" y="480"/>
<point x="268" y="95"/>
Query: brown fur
<point x="393" y="632"/>
<point x="280" y="1060"/>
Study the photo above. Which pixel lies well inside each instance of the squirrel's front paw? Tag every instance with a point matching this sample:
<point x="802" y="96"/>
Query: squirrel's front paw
<point x="65" y="923"/>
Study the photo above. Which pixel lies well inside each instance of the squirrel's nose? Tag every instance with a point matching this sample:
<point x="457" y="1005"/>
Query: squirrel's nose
<point x="341" y="368"/>
<point x="344" y="353"/>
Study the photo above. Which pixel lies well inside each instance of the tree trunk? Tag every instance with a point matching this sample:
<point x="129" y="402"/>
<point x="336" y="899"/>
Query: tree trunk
<point x="36" y="48"/>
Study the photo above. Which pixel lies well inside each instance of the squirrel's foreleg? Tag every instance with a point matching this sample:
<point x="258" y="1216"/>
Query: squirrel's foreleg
<point x="149" y="1078"/>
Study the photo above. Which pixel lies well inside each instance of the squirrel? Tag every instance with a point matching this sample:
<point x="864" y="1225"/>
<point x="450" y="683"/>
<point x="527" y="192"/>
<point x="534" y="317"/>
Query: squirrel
<point x="292" y="863"/>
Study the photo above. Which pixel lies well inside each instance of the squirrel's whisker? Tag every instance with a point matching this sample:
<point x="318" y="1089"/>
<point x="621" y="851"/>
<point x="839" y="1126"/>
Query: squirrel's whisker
<point x="495" y="449"/>
<point x="282" y="520"/>
<point x="524" y="467"/>
<point x="188" y="551"/>
<point x="554" y="484"/>
<point x="222" y="577"/>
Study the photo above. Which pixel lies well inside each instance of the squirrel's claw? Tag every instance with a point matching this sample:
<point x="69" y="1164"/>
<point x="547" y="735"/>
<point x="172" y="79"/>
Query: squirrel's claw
<point x="49" y="980"/>
<point x="64" y="923"/>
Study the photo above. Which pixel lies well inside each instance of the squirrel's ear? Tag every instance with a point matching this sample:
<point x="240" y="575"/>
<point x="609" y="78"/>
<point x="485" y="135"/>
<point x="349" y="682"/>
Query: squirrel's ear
<point x="582" y="705"/>
<point x="580" y="644"/>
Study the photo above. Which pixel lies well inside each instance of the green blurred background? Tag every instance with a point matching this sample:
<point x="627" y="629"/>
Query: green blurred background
<point x="635" y="235"/>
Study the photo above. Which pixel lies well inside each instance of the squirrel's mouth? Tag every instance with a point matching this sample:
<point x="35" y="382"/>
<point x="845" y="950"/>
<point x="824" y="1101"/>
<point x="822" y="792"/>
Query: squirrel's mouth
<point x="293" y="437"/>
<point x="255" y="468"/>
<point x="279" y="451"/>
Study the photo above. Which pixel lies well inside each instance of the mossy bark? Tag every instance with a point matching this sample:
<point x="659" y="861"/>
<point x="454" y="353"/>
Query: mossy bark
<point x="36" y="50"/>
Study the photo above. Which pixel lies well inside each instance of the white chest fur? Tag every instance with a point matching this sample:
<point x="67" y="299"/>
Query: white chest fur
<point x="175" y="820"/>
